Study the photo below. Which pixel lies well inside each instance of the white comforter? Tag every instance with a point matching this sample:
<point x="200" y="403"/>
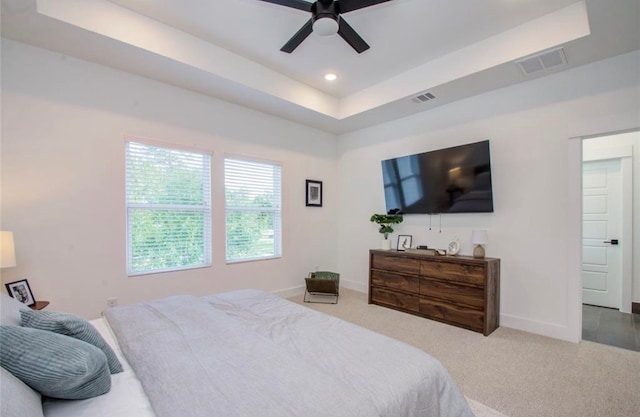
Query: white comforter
<point x="250" y="353"/>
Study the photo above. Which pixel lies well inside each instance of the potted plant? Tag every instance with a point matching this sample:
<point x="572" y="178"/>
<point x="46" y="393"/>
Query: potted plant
<point x="386" y="221"/>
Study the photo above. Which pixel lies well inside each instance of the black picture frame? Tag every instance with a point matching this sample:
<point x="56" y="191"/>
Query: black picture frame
<point x="21" y="291"/>
<point x="404" y="242"/>
<point x="313" y="193"/>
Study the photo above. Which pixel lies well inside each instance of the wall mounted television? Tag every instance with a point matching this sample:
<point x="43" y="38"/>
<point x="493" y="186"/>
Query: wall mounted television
<point x="451" y="180"/>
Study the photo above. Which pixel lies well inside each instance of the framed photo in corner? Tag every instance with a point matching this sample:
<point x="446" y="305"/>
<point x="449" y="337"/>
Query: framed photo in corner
<point x="21" y="291"/>
<point x="404" y="242"/>
<point x="314" y="193"/>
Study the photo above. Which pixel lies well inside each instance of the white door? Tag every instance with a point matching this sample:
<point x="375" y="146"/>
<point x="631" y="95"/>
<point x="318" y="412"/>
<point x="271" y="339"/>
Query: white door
<point x="602" y="212"/>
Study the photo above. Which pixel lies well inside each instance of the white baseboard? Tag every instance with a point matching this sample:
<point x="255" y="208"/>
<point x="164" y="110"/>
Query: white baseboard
<point x="356" y="286"/>
<point x="290" y="292"/>
<point x="538" y="327"/>
<point x="299" y="289"/>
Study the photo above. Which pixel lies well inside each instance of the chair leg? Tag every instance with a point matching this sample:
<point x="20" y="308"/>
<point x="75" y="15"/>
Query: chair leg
<point x="306" y="293"/>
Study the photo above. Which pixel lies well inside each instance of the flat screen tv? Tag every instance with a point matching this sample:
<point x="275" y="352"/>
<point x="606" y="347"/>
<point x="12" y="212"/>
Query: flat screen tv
<point x="451" y="180"/>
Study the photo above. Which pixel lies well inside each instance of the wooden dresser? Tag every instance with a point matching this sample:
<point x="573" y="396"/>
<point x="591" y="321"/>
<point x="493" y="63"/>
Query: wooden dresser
<point x="458" y="290"/>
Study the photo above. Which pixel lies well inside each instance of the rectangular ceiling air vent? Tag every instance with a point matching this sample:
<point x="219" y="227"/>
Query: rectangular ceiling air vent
<point x="543" y="61"/>
<point x="423" y="97"/>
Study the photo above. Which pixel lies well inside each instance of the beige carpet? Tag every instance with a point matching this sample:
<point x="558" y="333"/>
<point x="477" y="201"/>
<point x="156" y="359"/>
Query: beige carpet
<point x="481" y="410"/>
<point x="516" y="373"/>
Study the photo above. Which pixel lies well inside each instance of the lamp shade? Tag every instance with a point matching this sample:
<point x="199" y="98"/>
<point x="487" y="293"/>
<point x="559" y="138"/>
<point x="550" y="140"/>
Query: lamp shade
<point x="7" y="250"/>
<point x="479" y="237"/>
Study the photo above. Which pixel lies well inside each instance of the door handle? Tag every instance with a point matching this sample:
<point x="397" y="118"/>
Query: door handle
<point x="612" y="241"/>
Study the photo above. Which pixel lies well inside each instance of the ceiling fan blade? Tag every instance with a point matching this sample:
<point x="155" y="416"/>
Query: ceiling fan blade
<point x="351" y="5"/>
<point x="298" y="37"/>
<point x="348" y="34"/>
<point x="294" y="4"/>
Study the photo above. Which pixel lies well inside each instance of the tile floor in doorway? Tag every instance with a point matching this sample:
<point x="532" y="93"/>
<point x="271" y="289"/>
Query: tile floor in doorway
<point x="611" y="327"/>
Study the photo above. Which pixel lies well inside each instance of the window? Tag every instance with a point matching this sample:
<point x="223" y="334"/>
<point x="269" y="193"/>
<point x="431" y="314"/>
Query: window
<point x="253" y="210"/>
<point x="168" y="208"/>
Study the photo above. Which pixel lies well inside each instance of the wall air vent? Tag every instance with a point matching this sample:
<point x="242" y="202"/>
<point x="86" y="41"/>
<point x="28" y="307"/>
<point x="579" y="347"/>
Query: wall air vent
<point x="423" y="97"/>
<point x="542" y="61"/>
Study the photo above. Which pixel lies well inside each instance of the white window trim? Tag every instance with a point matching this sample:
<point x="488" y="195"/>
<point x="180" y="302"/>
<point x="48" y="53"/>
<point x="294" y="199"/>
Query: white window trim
<point x="208" y="250"/>
<point x="278" y="238"/>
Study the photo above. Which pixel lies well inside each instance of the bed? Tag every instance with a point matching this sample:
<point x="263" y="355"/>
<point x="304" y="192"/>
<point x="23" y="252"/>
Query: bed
<point x="252" y="353"/>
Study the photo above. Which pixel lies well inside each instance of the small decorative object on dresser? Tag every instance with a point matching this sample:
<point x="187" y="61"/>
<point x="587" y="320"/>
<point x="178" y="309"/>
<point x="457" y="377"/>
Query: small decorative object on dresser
<point x="454" y="247"/>
<point x="479" y="237"/>
<point x="423" y="250"/>
<point x="21" y="291"/>
<point x="385" y="221"/>
<point x="404" y="242"/>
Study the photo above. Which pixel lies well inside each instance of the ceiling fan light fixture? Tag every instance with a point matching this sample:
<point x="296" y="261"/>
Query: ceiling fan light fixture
<point x="325" y="26"/>
<point x="326" y="20"/>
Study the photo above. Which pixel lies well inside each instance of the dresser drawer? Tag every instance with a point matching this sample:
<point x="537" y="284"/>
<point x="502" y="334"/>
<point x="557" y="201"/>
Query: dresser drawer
<point x="395" y="299"/>
<point x="450" y="313"/>
<point x="458" y="272"/>
<point x="395" y="281"/>
<point x="393" y="263"/>
<point x="459" y="294"/>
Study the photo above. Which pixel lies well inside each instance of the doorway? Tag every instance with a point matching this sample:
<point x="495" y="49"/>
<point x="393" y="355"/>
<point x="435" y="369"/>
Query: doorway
<point x="609" y="326"/>
<point x="607" y="244"/>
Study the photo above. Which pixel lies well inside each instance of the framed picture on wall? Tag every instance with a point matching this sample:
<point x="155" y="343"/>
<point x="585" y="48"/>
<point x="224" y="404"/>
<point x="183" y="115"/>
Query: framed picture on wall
<point x="21" y="291"/>
<point x="314" y="193"/>
<point x="404" y="242"/>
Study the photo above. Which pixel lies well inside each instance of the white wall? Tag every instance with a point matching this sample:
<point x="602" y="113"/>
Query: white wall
<point x="63" y="183"/>
<point x="534" y="176"/>
<point x="63" y="122"/>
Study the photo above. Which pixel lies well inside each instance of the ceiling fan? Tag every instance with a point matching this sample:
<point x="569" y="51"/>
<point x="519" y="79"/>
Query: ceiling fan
<point x="326" y="20"/>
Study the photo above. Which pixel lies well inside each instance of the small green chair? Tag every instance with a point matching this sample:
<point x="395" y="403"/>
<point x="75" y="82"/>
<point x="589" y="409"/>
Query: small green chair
<point x="323" y="284"/>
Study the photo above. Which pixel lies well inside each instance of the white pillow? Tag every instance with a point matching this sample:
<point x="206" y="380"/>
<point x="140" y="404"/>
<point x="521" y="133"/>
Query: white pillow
<point x="17" y="399"/>
<point x="10" y="310"/>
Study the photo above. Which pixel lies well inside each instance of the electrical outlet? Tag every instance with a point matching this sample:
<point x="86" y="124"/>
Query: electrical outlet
<point x="112" y="302"/>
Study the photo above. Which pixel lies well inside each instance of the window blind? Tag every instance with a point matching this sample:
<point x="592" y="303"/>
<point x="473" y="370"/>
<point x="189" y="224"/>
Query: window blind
<point x="252" y="210"/>
<point x="168" y="196"/>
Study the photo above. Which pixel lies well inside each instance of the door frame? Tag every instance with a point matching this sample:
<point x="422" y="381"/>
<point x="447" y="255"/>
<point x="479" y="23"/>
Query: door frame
<point x="624" y="153"/>
<point x="586" y="130"/>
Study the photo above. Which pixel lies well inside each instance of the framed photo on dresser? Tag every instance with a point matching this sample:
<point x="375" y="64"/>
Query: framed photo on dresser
<point x="404" y="242"/>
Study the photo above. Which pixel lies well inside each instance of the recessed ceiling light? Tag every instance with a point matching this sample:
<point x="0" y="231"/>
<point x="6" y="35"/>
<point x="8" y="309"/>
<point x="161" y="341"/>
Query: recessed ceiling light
<point x="330" y="76"/>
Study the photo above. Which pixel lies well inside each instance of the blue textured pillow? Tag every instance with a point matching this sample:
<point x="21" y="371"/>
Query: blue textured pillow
<point x="17" y="399"/>
<point x="74" y="326"/>
<point x="56" y="366"/>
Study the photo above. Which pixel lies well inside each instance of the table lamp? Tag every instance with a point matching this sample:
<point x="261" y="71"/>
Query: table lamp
<point x="479" y="237"/>
<point x="7" y="250"/>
